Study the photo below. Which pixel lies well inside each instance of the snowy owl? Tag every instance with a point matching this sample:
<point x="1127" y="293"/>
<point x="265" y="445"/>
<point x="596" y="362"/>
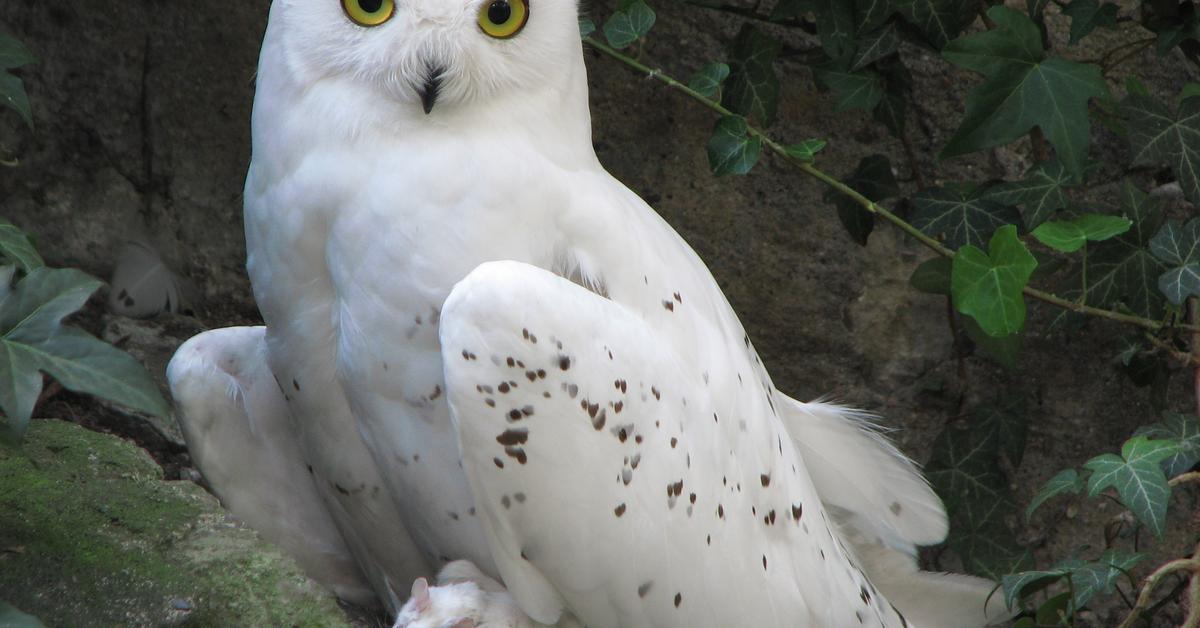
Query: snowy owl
<point x="479" y="345"/>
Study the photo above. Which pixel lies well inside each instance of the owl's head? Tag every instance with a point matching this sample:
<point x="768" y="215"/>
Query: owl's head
<point x="426" y="54"/>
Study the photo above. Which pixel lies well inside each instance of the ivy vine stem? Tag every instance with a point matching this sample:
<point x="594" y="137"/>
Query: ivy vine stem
<point x="1183" y="564"/>
<point x="810" y="169"/>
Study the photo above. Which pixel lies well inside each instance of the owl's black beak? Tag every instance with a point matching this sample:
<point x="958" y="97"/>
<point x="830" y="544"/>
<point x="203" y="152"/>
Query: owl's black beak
<point x="429" y="90"/>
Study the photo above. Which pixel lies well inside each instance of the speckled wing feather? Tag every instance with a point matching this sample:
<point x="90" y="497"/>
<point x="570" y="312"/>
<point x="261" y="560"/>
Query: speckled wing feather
<point x="618" y="481"/>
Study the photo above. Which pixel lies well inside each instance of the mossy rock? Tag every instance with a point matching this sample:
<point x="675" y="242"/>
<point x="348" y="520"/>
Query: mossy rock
<point x="90" y="534"/>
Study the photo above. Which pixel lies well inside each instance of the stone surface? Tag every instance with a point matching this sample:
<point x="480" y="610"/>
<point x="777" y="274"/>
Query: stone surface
<point x="90" y="534"/>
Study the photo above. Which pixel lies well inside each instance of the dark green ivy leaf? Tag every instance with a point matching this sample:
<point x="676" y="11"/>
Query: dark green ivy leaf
<point x="12" y="91"/>
<point x="938" y="20"/>
<point x="932" y="276"/>
<point x="732" y="150"/>
<point x="875" y="46"/>
<point x="707" y="82"/>
<point x="1122" y="270"/>
<point x="1138" y="477"/>
<point x="16" y="247"/>
<point x="855" y="89"/>
<point x="753" y="87"/>
<point x="629" y="24"/>
<point x="789" y="9"/>
<point x="873" y="179"/>
<point x="1023" y="89"/>
<point x="835" y="27"/>
<point x="1158" y="136"/>
<point x="1088" y="578"/>
<point x="1087" y="15"/>
<point x="806" y="150"/>
<point x="897" y="83"/>
<point x="1184" y="431"/>
<point x="1067" y="481"/>
<point x="962" y="217"/>
<point x="1179" y="247"/>
<point x="964" y="471"/>
<point x="586" y="27"/>
<point x="1041" y="192"/>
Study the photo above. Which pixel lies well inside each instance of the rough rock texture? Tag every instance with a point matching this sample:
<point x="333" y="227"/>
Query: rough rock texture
<point x="143" y="107"/>
<point x="90" y="534"/>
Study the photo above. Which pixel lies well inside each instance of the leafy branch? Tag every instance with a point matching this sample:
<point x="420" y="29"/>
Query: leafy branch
<point x="788" y="155"/>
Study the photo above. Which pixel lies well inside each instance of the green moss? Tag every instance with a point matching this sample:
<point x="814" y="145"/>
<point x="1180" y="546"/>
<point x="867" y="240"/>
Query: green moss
<point x="90" y="533"/>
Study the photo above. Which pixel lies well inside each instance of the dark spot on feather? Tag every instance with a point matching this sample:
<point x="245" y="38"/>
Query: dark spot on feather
<point x="619" y="510"/>
<point x="678" y="599"/>
<point x="499" y="462"/>
<point x="513" y="437"/>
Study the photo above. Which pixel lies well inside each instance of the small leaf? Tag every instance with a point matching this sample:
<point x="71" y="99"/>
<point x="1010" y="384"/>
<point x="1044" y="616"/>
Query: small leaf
<point x="1138" y="478"/>
<point x="1001" y="349"/>
<point x="789" y="9"/>
<point x="875" y="46"/>
<point x="1158" y="136"/>
<point x="731" y="150"/>
<point x="1184" y="431"/>
<point x="707" y="82"/>
<point x="1190" y="90"/>
<point x="1100" y="576"/>
<point x="873" y="179"/>
<point x="1041" y="192"/>
<point x="586" y="27"/>
<point x="1070" y="235"/>
<point x="15" y="246"/>
<point x="35" y="340"/>
<point x="988" y="286"/>
<point x="753" y="87"/>
<point x="1022" y="90"/>
<point x="938" y="20"/>
<point x="1087" y="15"/>
<point x="1179" y="247"/>
<point x="13" y="617"/>
<point x="628" y="25"/>
<point x="835" y="27"/>
<point x="1121" y="271"/>
<point x="891" y="109"/>
<point x="1027" y="583"/>
<point x="932" y="276"/>
<point x="860" y="89"/>
<point x="1067" y="481"/>
<point x="806" y="150"/>
<point x="13" y="54"/>
<point x="13" y="96"/>
<point x="962" y="217"/>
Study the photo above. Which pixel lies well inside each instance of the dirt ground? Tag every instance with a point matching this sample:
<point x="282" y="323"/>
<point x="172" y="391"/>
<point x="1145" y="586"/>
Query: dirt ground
<point x="142" y="113"/>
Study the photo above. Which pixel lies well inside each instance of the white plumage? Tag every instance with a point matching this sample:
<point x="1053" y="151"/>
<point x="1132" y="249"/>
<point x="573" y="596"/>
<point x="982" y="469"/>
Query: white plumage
<point x="489" y="349"/>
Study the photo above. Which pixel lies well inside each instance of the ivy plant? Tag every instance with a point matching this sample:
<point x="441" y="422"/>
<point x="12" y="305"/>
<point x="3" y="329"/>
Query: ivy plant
<point x="1001" y="246"/>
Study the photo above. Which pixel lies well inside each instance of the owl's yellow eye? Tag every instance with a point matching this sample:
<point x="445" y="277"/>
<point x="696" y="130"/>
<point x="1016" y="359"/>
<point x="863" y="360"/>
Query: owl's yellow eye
<point x="369" y="12"/>
<point x="503" y="18"/>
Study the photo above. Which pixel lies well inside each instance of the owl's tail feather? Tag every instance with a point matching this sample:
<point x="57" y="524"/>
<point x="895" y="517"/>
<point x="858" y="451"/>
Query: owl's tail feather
<point x="856" y="469"/>
<point x="884" y="508"/>
<point x="927" y="599"/>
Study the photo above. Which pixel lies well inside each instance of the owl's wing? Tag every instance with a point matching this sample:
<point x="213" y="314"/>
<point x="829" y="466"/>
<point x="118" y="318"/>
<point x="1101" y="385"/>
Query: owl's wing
<point x="237" y="429"/>
<point x="609" y="483"/>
